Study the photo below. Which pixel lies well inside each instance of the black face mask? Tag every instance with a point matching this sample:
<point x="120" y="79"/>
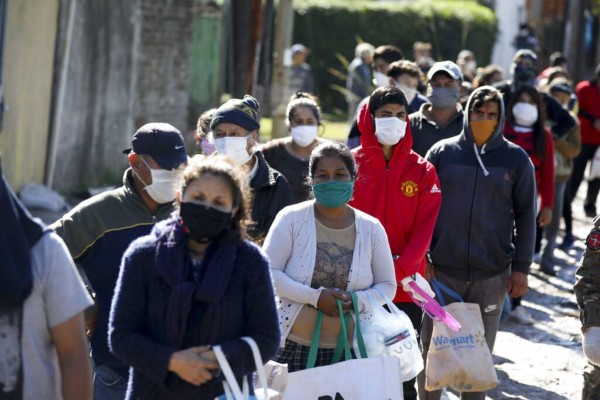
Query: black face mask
<point x="203" y="223"/>
<point x="524" y="74"/>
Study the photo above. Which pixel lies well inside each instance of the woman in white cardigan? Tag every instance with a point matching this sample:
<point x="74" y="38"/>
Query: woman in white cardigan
<point x="322" y="249"/>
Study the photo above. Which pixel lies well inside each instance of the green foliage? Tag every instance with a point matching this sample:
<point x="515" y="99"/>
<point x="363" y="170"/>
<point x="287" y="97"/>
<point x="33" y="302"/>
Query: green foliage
<point x="332" y="29"/>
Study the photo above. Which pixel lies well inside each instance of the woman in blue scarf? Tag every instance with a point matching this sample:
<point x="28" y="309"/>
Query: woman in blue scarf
<point x="193" y="283"/>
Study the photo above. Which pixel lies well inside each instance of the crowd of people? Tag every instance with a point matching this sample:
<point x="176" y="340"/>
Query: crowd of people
<point x="450" y="171"/>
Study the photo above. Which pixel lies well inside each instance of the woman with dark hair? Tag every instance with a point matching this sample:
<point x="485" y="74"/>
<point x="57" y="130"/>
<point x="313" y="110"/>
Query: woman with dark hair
<point x="322" y="249"/>
<point x="290" y="155"/>
<point x="193" y="283"/>
<point x="524" y="126"/>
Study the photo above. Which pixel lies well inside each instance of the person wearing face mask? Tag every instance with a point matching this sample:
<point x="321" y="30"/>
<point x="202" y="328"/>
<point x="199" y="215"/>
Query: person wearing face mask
<point x="399" y="188"/>
<point x="383" y="57"/>
<point x="405" y="75"/>
<point x="322" y="249"/>
<point x="193" y="283"/>
<point x="235" y="127"/>
<point x="99" y="230"/>
<point x="205" y="143"/>
<point x="525" y="127"/>
<point x="442" y="117"/>
<point x="290" y="155"/>
<point x="467" y="64"/>
<point x="482" y="244"/>
<point x="522" y="72"/>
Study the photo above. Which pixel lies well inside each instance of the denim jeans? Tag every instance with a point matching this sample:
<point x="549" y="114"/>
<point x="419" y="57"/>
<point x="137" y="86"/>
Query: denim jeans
<point x="109" y="384"/>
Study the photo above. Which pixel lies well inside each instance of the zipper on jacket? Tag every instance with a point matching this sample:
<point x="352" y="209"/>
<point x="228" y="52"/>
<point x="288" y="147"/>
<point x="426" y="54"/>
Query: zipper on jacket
<point x="385" y="193"/>
<point x="471" y="225"/>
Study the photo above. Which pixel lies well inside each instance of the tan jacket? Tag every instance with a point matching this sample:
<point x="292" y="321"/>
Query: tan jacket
<point x="566" y="149"/>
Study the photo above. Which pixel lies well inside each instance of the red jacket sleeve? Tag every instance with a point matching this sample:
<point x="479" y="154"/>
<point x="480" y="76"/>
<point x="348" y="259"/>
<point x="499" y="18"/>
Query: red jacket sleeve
<point x="430" y="201"/>
<point x="547" y="174"/>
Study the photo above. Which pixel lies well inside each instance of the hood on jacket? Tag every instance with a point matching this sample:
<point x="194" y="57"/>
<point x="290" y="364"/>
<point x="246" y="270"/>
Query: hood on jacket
<point x="366" y="126"/>
<point x="495" y="139"/>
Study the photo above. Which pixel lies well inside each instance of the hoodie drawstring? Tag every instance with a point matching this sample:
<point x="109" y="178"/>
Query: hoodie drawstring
<point x="485" y="171"/>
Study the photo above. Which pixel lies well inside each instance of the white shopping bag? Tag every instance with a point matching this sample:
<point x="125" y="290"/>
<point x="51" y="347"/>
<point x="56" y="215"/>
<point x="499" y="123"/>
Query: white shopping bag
<point x="391" y="333"/>
<point x="367" y="378"/>
<point x="230" y="385"/>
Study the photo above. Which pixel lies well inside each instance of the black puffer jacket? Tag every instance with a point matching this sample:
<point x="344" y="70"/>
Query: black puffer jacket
<point x="271" y="193"/>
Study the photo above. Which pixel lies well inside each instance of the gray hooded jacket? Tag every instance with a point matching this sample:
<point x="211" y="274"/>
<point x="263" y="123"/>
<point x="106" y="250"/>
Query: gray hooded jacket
<point x="488" y="197"/>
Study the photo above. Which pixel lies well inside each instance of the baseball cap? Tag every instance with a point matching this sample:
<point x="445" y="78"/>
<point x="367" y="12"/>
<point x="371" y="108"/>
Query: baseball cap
<point x="162" y="141"/>
<point x="298" y="47"/>
<point x="560" y="86"/>
<point x="445" y="66"/>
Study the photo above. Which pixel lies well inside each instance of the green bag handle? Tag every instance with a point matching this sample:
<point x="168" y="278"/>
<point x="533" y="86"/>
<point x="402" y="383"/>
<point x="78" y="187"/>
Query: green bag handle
<point x="342" y="343"/>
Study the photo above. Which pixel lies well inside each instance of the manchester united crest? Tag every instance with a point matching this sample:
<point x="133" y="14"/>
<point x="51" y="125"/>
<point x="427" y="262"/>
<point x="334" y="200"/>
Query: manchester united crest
<point x="409" y="188"/>
<point x="593" y="240"/>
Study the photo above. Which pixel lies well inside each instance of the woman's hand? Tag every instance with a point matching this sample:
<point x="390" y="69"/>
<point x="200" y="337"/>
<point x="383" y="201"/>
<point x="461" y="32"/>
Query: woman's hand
<point x="545" y="217"/>
<point x="328" y="304"/>
<point x="193" y="365"/>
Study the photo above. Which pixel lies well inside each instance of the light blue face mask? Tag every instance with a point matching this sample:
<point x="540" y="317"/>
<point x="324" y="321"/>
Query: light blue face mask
<point x="333" y="194"/>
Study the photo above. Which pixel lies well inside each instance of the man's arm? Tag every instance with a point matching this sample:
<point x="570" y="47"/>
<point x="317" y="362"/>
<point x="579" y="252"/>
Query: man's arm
<point x="75" y="365"/>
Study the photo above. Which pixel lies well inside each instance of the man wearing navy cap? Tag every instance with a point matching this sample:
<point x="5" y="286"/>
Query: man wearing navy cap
<point x="442" y="117"/>
<point x="99" y="230"/>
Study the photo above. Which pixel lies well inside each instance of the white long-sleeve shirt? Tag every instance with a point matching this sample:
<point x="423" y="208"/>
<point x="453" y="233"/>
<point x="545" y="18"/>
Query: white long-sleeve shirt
<point x="291" y="245"/>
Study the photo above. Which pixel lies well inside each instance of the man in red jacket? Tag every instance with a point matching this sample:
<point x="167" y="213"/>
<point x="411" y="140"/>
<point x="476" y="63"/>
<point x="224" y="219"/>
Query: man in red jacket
<point x="399" y="187"/>
<point x="588" y="95"/>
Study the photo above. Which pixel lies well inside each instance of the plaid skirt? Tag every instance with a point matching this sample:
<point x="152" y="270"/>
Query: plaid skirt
<point x="296" y="355"/>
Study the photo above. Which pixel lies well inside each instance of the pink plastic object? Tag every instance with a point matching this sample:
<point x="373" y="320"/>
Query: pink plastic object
<point x="431" y="307"/>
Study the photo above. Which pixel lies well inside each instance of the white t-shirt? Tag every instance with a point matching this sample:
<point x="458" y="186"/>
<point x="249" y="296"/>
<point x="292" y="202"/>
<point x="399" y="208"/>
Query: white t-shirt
<point x="58" y="294"/>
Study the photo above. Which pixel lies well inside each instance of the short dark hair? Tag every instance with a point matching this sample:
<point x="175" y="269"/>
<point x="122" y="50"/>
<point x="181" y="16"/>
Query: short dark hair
<point x="331" y="149"/>
<point x="400" y="67"/>
<point x="388" y="53"/>
<point x="386" y="95"/>
<point x="484" y="95"/>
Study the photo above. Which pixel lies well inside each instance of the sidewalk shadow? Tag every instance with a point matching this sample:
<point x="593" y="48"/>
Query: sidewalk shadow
<point x="519" y="390"/>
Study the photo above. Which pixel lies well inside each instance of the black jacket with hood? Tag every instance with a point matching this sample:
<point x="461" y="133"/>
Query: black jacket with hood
<point x="271" y="193"/>
<point x="487" y="220"/>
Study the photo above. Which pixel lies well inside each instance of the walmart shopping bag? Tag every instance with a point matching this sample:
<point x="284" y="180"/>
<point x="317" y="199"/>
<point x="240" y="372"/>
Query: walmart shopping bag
<point x="460" y="360"/>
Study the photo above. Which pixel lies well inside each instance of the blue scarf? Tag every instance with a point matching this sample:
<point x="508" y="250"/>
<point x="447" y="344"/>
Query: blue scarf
<point x="174" y="267"/>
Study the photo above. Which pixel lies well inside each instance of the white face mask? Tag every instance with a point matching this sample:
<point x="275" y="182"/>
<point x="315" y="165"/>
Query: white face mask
<point x="408" y="91"/>
<point x="164" y="184"/>
<point x="525" y="114"/>
<point x="381" y="79"/>
<point x="304" y="135"/>
<point x="235" y="148"/>
<point x="389" y="131"/>
<point x="471" y="65"/>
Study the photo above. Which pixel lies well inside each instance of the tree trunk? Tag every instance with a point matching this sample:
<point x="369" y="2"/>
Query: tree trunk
<point x="284" y="21"/>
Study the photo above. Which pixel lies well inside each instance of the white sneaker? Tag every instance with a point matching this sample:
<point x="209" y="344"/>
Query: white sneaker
<point x="537" y="258"/>
<point x="522" y="316"/>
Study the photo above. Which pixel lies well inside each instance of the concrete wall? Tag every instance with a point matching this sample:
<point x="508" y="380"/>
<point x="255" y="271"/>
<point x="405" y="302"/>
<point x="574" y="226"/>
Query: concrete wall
<point x="31" y="26"/>
<point x="163" y="63"/>
<point x="92" y="113"/>
<point x="128" y="64"/>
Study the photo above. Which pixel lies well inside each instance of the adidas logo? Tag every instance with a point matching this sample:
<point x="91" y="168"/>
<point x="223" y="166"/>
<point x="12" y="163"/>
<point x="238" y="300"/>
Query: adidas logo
<point x="435" y="189"/>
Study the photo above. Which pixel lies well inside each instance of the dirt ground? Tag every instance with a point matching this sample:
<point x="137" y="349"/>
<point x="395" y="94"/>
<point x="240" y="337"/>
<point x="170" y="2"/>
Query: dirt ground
<point x="544" y="361"/>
